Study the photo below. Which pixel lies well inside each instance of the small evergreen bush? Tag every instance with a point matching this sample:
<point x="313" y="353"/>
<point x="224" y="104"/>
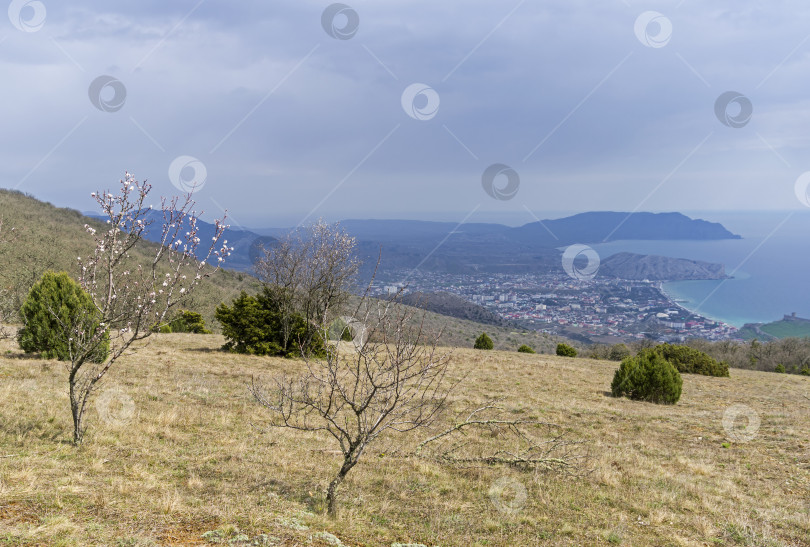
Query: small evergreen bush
<point x="647" y="377"/>
<point x="780" y="368"/>
<point x="564" y="350"/>
<point x="691" y="361"/>
<point x="526" y="349"/>
<point x="186" y="321"/>
<point x="55" y="310"/>
<point x="253" y="325"/>
<point x="619" y="352"/>
<point x="483" y="342"/>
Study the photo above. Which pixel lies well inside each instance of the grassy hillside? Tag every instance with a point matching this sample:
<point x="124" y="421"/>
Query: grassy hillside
<point x="47" y="237"/>
<point x="461" y="333"/>
<point x="787" y="329"/>
<point x="775" y="330"/>
<point x="455" y="306"/>
<point x="183" y="456"/>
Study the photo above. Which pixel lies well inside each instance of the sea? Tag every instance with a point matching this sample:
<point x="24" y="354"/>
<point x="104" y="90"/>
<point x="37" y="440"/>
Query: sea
<point x="769" y="266"/>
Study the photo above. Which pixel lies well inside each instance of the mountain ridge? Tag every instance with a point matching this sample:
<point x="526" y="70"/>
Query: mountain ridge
<point x="494" y="248"/>
<point x="638" y="267"/>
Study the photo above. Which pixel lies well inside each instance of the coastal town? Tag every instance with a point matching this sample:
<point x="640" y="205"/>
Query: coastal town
<point x="601" y="310"/>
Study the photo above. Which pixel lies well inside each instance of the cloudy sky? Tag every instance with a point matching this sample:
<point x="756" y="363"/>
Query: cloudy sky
<point x="283" y="112"/>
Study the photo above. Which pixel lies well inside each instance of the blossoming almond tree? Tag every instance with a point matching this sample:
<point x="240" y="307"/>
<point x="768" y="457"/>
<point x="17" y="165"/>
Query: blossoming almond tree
<point x="132" y="295"/>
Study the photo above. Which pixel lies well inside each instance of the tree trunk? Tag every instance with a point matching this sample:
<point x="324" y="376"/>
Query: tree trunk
<point x="77" y="409"/>
<point x="331" y="492"/>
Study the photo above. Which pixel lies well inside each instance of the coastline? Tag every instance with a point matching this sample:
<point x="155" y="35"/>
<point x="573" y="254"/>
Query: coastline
<point x="683" y="303"/>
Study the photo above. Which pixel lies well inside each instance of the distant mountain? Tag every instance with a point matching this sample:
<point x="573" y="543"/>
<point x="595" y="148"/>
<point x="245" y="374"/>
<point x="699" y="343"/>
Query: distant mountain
<point x="495" y="248"/>
<point x="451" y="305"/>
<point x="658" y="268"/>
<point x="481" y="247"/>
<point x="592" y="227"/>
<point x="247" y="245"/>
<point x="599" y="227"/>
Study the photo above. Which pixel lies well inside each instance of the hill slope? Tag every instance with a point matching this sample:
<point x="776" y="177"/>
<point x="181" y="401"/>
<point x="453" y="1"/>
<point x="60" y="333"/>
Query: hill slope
<point x="445" y="303"/>
<point x="185" y="452"/>
<point x="48" y="237"/>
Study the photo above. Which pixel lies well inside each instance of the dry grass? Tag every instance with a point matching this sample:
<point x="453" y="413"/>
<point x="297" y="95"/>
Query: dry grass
<point x="180" y="454"/>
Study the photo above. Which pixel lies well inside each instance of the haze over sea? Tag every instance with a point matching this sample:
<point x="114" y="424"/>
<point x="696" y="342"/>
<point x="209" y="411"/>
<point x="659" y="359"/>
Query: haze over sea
<point x="770" y="266"/>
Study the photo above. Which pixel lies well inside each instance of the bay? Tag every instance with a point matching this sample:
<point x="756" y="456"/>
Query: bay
<point x="770" y="267"/>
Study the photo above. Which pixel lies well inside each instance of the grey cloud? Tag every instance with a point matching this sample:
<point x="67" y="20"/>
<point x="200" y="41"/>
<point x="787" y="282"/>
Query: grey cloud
<point x="190" y="85"/>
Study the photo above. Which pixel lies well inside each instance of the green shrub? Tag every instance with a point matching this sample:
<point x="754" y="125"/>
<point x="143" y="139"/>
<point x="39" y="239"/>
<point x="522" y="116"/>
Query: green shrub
<point x="691" y="361"/>
<point x="647" y="377"/>
<point x="619" y="352"/>
<point x="55" y="310"/>
<point x="805" y="371"/>
<point x="565" y="350"/>
<point x="483" y="342"/>
<point x="598" y="351"/>
<point x="253" y="325"/>
<point x="780" y="368"/>
<point x="526" y="349"/>
<point x="186" y="321"/>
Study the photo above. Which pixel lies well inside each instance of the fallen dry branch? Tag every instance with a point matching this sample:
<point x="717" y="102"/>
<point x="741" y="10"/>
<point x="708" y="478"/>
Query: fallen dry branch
<point x="486" y="437"/>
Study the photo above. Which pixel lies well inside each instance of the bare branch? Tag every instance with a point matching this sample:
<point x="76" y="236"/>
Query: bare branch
<point x="393" y="380"/>
<point x="310" y="273"/>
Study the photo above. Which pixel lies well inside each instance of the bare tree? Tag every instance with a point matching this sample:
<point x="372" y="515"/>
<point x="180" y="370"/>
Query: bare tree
<point x="388" y="381"/>
<point x="131" y="297"/>
<point x="310" y="273"/>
